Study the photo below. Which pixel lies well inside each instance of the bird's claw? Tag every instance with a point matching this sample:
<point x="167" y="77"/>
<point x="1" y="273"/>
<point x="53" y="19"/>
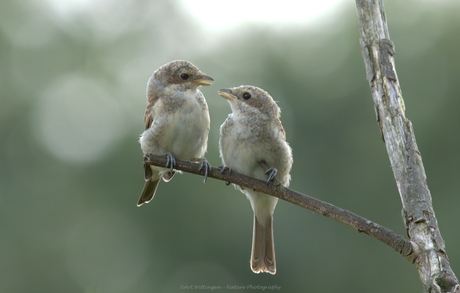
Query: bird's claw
<point x="146" y="157"/>
<point x="207" y="167"/>
<point x="225" y="168"/>
<point x="170" y="161"/>
<point x="271" y="172"/>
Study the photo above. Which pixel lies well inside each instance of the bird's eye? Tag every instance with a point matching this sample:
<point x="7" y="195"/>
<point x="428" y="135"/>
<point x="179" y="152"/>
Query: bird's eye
<point x="184" y="76"/>
<point x="246" y="96"/>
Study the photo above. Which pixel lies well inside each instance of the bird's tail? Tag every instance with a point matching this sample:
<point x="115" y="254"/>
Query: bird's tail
<point x="152" y="179"/>
<point x="263" y="246"/>
<point x="148" y="192"/>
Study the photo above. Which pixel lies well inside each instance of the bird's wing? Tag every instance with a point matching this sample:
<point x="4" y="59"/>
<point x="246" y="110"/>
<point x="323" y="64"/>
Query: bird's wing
<point x="281" y="129"/>
<point x="148" y="118"/>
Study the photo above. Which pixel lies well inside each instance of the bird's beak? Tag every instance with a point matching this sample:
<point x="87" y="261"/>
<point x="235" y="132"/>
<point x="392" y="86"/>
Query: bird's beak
<point x="204" y="80"/>
<point x="227" y="94"/>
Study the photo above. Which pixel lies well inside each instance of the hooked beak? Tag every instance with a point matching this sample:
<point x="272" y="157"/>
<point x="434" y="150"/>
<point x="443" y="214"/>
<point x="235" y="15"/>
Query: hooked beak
<point x="227" y="94"/>
<point x="204" y="80"/>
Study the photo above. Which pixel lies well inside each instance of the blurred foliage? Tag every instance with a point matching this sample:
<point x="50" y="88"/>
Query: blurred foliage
<point x="72" y="90"/>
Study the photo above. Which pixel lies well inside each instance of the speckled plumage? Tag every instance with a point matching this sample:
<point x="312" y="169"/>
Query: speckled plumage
<point x="251" y="134"/>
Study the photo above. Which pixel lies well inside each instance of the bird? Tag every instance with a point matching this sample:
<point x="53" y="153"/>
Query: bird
<point x="176" y="122"/>
<point x="253" y="142"/>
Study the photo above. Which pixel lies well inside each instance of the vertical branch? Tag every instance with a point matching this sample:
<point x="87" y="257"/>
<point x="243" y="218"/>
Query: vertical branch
<point x="397" y="132"/>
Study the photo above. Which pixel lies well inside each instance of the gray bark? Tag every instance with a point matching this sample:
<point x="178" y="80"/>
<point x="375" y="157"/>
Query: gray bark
<point x="428" y="248"/>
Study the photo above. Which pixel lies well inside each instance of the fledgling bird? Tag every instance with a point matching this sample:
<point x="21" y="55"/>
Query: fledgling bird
<point x="176" y="121"/>
<point x="252" y="135"/>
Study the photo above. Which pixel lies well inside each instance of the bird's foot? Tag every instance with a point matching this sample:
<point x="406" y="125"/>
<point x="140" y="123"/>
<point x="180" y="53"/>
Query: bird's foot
<point x="271" y="172"/>
<point x="225" y="168"/>
<point x="207" y="167"/>
<point x="170" y="161"/>
<point x="146" y="157"/>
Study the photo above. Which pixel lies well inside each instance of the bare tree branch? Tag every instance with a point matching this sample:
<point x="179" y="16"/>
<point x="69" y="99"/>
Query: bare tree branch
<point x="398" y="134"/>
<point x="397" y="242"/>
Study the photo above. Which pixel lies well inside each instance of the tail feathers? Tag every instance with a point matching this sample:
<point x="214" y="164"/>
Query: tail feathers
<point x="150" y="187"/>
<point x="263" y="247"/>
<point x="168" y="176"/>
<point x="147" y="172"/>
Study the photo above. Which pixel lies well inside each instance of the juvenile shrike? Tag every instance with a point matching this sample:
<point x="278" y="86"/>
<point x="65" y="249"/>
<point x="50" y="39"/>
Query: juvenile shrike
<point x="176" y="121"/>
<point x="252" y="135"/>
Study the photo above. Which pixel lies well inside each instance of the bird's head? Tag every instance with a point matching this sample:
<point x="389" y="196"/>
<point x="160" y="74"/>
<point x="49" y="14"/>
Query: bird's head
<point x="181" y="74"/>
<point x="246" y="98"/>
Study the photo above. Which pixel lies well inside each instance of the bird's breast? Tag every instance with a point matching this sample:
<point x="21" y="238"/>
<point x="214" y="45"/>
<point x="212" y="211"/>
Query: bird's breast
<point x="181" y="126"/>
<point x="188" y="129"/>
<point x="244" y="145"/>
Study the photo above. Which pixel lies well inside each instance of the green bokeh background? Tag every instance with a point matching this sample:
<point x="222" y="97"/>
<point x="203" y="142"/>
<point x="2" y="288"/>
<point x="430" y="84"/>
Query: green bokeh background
<point x="72" y="93"/>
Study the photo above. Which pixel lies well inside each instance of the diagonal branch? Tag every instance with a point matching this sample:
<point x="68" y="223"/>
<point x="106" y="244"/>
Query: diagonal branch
<point x="397" y="132"/>
<point x="397" y="242"/>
